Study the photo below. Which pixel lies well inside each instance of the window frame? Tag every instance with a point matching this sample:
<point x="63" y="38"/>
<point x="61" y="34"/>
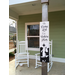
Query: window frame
<point x="32" y="23"/>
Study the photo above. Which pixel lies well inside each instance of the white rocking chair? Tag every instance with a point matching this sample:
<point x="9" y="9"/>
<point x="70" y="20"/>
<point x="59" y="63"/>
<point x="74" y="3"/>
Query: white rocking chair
<point x="49" y="65"/>
<point x="22" y="56"/>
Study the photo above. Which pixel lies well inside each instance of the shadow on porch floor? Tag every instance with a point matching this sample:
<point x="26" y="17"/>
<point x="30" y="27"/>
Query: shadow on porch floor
<point x="57" y="69"/>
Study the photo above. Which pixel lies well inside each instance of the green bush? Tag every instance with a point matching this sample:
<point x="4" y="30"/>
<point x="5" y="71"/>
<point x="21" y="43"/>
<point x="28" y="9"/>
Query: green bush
<point x="11" y="37"/>
<point x="11" y="54"/>
<point x="15" y="51"/>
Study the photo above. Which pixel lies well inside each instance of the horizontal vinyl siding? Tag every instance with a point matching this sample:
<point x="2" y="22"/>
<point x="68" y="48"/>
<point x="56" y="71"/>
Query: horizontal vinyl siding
<point x="57" y="33"/>
<point x="21" y="24"/>
<point x="56" y="30"/>
<point x="21" y="31"/>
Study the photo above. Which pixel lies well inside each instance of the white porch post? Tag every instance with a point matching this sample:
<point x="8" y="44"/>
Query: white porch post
<point x="44" y="18"/>
<point x="17" y="37"/>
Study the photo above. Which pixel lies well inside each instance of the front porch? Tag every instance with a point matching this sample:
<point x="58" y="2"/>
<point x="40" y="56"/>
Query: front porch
<point x="26" y="15"/>
<point x="30" y="14"/>
<point x="57" y="69"/>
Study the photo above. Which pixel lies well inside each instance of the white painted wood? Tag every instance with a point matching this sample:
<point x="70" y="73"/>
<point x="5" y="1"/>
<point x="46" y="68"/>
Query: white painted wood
<point x="31" y="23"/>
<point x="28" y="8"/>
<point x="22" y="56"/>
<point x="16" y="36"/>
<point x="12" y="2"/>
<point x="54" y="59"/>
<point x="39" y="11"/>
<point x="16" y="31"/>
<point x="33" y="49"/>
<point x="62" y="60"/>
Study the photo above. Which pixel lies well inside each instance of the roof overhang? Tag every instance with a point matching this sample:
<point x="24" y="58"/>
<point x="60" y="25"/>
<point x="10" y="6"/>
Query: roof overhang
<point x="34" y="7"/>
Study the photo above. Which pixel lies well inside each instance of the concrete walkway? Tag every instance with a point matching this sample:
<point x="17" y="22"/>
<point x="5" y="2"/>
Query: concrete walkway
<point x="11" y="50"/>
<point x="12" y="67"/>
<point x="57" y="69"/>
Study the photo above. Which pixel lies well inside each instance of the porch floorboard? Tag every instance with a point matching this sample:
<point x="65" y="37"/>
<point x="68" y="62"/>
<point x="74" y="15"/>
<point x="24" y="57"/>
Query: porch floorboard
<point x="57" y="69"/>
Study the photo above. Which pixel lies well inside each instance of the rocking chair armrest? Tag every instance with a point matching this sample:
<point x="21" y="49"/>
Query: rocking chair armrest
<point x="50" y="54"/>
<point x="15" y="54"/>
<point x="37" y="53"/>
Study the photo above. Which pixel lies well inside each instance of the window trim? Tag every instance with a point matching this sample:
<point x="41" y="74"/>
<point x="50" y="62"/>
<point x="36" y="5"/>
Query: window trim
<point x="32" y="23"/>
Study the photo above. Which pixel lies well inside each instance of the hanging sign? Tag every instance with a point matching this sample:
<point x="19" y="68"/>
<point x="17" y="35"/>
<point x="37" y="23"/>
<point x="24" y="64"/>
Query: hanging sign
<point x="44" y="41"/>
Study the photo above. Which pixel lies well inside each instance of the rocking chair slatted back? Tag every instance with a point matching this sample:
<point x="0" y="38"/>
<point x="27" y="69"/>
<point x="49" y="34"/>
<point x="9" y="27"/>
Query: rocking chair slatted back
<point x="22" y="46"/>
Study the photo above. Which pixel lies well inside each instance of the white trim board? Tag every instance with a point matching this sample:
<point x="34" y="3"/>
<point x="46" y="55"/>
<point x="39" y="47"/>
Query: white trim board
<point x="58" y="59"/>
<point x="62" y="60"/>
<point x="31" y="23"/>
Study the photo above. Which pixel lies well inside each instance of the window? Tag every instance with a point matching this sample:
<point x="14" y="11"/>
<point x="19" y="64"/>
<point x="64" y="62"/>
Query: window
<point x="32" y="35"/>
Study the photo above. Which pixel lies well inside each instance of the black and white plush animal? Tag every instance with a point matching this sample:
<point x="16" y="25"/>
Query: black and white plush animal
<point x="44" y="53"/>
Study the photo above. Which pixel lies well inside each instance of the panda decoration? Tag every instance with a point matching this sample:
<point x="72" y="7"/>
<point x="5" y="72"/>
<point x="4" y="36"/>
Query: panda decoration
<point x="44" y="54"/>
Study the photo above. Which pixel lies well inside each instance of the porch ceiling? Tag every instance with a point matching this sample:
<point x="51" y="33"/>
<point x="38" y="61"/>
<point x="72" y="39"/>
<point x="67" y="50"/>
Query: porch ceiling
<point x="36" y="7"/>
